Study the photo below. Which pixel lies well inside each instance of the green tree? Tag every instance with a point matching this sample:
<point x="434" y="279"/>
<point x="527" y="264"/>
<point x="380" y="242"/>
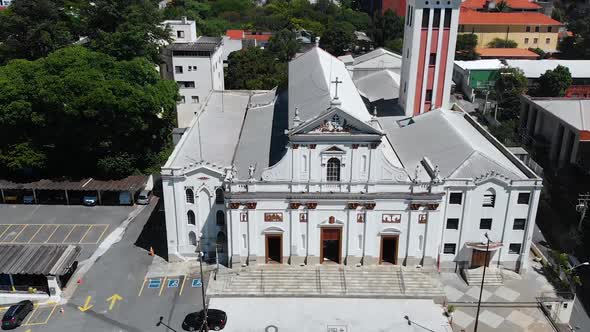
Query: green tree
<point x="509" y="86"/>
<point x="577" y="46"/>
<point x="395" y="45"/>
<point x="502" y="43"/>
<point x="388" y="26"/>
<point x="465" y="49"/>
<point x="283" y="45"/>
<point x="553" y="83"/>
<point x="82" y="113"/>
<point x="125" y="29"/>
<point x="31" y="29"/>
<point x="338" y="38"/>
<point x="502" y="6"/>
<point x="254" y="69"/>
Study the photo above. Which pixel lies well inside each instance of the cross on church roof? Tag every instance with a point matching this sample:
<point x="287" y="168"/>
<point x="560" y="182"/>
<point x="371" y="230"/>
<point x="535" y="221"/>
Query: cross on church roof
<point x="336" y="82"/>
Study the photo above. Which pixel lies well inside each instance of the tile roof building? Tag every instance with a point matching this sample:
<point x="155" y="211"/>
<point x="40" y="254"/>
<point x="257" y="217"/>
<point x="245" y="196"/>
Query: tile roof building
<point x="311" y="176"/>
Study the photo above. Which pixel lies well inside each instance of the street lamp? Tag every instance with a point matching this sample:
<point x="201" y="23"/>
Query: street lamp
<point x="577" y="266"/>
<point x="200" y="253"/>
<point x="160" y="322"/>
<point x="483" y="278"/>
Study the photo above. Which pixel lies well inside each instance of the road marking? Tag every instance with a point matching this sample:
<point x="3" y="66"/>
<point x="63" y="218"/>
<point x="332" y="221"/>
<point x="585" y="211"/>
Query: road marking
<point x="52" y="234"/>
<point x="100" y="237"/>
<point x="87" y="304"/>
<point x="17" y="235"/>
<point x="5" y="231"/>
<point x="161" y="289"/>
<point x="46" y="319"/>
<point x="32" y="314"/>
<point x="154" y="283"/>
<point x="182" y="286"/>
<point x="196" y="283"/>
<point x="32" y="237"/>
<point x="71" y="230"/>
<point x="142" y="286"/>
<point x="173" y="283"/>
<point x="88" y="230"/>
<point x="113" y="299"/>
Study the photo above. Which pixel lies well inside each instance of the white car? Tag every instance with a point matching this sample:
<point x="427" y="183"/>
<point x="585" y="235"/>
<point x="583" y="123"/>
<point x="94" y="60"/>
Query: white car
<point x="90" y="200"/>
<point x="144" y="197"/>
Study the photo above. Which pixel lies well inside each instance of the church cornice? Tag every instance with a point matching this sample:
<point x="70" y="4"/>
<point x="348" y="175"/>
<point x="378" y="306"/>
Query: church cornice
<point x="421" y="198"/>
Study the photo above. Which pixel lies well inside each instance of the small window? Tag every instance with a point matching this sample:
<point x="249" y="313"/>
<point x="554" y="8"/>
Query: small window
<point x="514" y="248"/>
<point x="537" y="29"/>
<point x="186" y="84"/>
<point x="432" y="60"/>
<point x="447" y="22"/>
<point x="489" y="199"/>
<point x="411" y="15"/>
<point x="428" y="98"/>
<point x="535" y="40"/>
<point x="192" y="238"/>
<point x="549" y="29"/>
<point x="182" y="100"/>
<point x="180" y="34"/>
<point x="485" y="223"/>
<point x="333" y="170"/>
<point x="547" y="40"/>
<point x="244" y="241"/>
<point x="408" y="53"/>
<point x="528" y="29"/>
<point x="453" y="223"/>
<point x="524" y="198"/>
<point x="420" y="242"/>
<point x="220" y="218"/>
<point x="449" y="248"/>
<point x="190" y="217"/>
<point x="425" y="17"/>
<point x="190" y="196"/>
<point x="178" y="69"/>
<point x="303" y="241"/>
<point x="219" y="199"/>
<point x="519" y="224"/>
<point x="195" y="99"/>
<point x="526" y="40"/>
<point x="360" y="242"/>
<point x="408" y="15"/>
<point x="456" y="198"/>
<point x="436" y="19"/>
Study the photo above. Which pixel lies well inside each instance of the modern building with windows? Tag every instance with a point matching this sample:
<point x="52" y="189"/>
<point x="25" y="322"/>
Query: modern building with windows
<point x="195" y="63"/>
<point x="311" y="176"/>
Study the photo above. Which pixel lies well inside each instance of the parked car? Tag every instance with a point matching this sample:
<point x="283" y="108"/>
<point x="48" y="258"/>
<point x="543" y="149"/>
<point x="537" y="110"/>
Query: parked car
<point x="216" y="320"/>
<point x="144" y="197"/>
<point x="125" y="198"/>
<point x="16" y="314"/>
<point x="28" y="199"/>
<point x="90" y="200"/>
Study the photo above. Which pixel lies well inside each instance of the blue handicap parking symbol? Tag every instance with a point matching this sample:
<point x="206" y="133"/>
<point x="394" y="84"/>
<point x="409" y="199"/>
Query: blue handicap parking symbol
<point x="196" y="283"/>
<point x="154" y="283"/>
<point x="173" y="283"/>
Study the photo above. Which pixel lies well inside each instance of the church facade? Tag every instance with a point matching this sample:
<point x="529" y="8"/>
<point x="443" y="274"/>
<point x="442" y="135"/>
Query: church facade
<point x="316" y="176"/>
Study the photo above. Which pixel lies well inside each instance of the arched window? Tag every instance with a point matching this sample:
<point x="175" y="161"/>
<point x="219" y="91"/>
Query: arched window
<point x="333" y="170"/>
<point x="190" y="196"/>
<point x="192" y="238"/>
<point x="489" y="198"/>
<point x="220" y="217"/>
<point x="364" y="164"/>
<point x="190" y="217"/>
<point x="420" y="242"/>
<point x="219" y="196"/>
<point x="304" y="163"/>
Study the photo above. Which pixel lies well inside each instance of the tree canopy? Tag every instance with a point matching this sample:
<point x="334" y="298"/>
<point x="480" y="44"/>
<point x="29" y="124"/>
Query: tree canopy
<point x="577" y="46"/>
<point x="502" y="43"/>
<point x="509" y="86"/>
<point x="284" y="45"/>
<point x="388" y="28"/>
<point x="78" y="112"/>
<point x="338" y="38"/>
<point x="254" y="69"/>
<point x="465" y="49"/>
<point x="553" y="83"/>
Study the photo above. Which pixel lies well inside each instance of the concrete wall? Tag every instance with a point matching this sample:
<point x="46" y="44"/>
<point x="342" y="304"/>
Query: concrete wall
<point x="486" y="33"/>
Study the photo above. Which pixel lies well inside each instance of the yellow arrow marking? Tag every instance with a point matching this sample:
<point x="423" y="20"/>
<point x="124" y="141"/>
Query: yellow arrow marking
<point x="113" y="299"/>
<point x="29" y="330"/>
<point x="87" y="304"/>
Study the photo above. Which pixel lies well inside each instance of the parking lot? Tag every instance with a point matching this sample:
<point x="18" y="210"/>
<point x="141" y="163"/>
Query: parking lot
<point x="40" y="315"/>
<point x="59" y="224"/>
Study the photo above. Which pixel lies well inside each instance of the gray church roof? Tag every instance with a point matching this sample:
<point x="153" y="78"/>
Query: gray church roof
<point x="450" y="142"/>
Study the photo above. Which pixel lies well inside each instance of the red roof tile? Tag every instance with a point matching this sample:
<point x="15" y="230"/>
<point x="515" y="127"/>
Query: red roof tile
<point x="235" y="34"/>
<point x="264" y="37"/>
<point x="469" y="16"/>
<point x="506" y="53"/>
<point x="514" y="4"/>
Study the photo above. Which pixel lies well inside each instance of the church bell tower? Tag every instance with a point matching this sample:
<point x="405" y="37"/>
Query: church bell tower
<point x="430" y="35"/>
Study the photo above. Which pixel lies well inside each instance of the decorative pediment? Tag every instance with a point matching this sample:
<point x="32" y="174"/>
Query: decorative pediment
<point x="331" y="222"/>
<point x="334" y="149"/>
<point x="335" y="121"/>
<point x="390" y="231"/>
<point x="273" y="230"/>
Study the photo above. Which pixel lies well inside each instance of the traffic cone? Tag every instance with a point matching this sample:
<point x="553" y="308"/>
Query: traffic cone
<point x="152" y="251"/>
<point x="61" y="310"/>
<point x="80" y="281"/>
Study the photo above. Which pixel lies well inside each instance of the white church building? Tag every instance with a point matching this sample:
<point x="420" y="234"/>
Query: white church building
<point x="315" y="176"/>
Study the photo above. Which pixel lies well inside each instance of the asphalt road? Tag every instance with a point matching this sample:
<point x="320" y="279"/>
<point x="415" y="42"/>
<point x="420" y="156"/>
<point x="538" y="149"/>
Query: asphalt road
<point x="121" y="270"/>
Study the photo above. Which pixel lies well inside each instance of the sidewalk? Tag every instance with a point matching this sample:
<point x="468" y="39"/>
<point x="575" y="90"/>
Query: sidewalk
<point x="514" y="303"/>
